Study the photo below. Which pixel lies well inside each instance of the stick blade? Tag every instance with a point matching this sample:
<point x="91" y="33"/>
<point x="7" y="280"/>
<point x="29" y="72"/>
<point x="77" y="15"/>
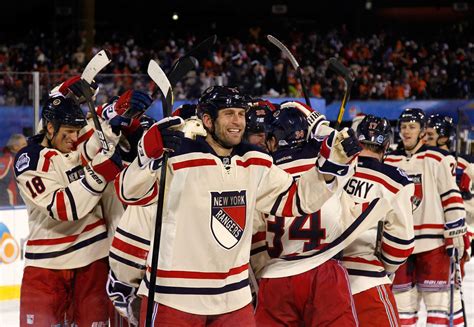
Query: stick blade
<point x="183" y="66"/>
<point x="159" y="77"/>
<point x="97" y="63"/>
<point x="339" y="68"/>
<point x="285" y="50"/>
<point x="203" y="47"/>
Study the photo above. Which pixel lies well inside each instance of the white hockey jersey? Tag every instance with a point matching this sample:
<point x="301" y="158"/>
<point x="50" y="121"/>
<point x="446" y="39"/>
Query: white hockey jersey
<point x="301" y="243"/>
<point x="68" y="222"/>
<point x="207" y="220"/>
<point x="371" y="180"/>
<point x="465" y="178"/>
<point x="437" y="199"/>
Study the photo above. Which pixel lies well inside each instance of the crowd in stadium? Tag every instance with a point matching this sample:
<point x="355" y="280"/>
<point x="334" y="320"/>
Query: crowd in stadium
<point x="386" y="66"/>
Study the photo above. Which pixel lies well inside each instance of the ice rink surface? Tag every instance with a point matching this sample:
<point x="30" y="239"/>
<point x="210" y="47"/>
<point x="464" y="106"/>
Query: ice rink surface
<point x="9" y="310"/>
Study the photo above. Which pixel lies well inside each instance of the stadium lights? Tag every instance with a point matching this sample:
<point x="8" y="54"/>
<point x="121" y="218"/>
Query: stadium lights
<point x="175" y="16"/>
<point x="368" y="5"/>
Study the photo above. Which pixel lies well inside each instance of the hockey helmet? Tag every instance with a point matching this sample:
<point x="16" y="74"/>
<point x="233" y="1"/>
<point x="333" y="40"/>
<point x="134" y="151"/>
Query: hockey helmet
<point x="289" y="126"/>
<point x="62" y="111"/>
<point x="443" y="125"/>
<point x="374" y="130"/>
<point x="216" y="98"/>
<point x="258" y="117"/>
<point x="413" y="115"/>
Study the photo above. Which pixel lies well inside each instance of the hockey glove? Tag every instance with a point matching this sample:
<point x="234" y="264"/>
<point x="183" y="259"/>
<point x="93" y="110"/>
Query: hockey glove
<point x="146" y="122"/>
<point x="337" y="152"/>
<point x="72" y="87"/>
<point x="122" y="296"/>
<point x="161" y="136"/>
<point x="103" y="169"/>
<point x="315" y="119"/>
<point x="129" y="106"/>
<point x="456" y="239"/>
<point x="89" y="144"/>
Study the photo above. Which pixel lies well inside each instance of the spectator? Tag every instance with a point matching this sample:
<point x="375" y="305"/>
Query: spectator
<point x="9" y="195"/>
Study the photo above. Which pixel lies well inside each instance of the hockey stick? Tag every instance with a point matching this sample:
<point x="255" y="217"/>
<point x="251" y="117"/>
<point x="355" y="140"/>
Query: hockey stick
<point x="159" y="77"/>
<point x="97" y="63"/>
<point x="459" y="281"/>
<point x="189" y="62"/>
<point x="452" y="274"/>
<point x="348" y="78"/>
<point x="294" y="63"/>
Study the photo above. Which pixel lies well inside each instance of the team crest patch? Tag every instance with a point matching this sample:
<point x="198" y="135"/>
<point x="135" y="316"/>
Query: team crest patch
<point x="228" y="217"/>
<point x="418" y="196"/>
<point x="23" y="162"/>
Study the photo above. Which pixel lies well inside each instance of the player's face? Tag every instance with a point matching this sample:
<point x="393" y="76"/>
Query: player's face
<point x="257" y="139"/>
<point x="431" y="137"/>
<point x="410" y="132"/>
<point x="65" y="138"/>
<point x="230" y="125"/>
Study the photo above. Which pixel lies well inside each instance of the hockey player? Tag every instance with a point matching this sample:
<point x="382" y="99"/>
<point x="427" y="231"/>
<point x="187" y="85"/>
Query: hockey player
<point x="67" y="247"/>
<point x="296" y="282"/>
<point x="378" y="252"/>
<point x="439" y="224"/>
<point x="202" y="275"/>
<point x="257" y="121"/>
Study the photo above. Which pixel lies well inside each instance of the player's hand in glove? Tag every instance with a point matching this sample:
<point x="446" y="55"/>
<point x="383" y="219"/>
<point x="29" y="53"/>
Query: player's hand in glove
<point x="337" y="152"/>
<point x="88" y="142"/>
<point x="73" y="87"/>
<point x="456" y="239"/>
<point x="161" y="136"/>
<point x="122" y="296"/>
<point x="103" y="169"/>
<point x="318" y="126"/>
<point x="128" y="107"/>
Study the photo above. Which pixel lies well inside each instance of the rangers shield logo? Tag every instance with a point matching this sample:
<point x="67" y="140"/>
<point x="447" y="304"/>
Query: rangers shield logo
<point x="418" y="196"/>
<point x="228" y="217"/>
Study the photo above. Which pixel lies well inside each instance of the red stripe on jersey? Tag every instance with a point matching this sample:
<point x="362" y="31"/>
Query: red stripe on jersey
<point x="83" y="160"/>
<point x="255" y="162"/>
<point x="429" y="155"/>
<point x="199" y="274"/>
<point x="194" y="163"/>
<point x="361" y="260"/>
<point x="142" y="201"/>
<point x="454" y="199"/>
<point x="299" y="169"/>
<point x="258" y="237"/>
<point x="461" y="165"/>
<point x="84" y="137"/>
<point x="394" y="252"/>
<point x="408" y="321"/>
<point x="66" y="239"/>
<point x="47" y="158"/>
<point x="61" y="206"/>
<point x="379" y="180"/>
<point x="392" y="160"/>
<point x="129" y="248"/>
<point x="429" y="226"/>
<point x="287" y="209"/>
<point x="444" y="321"/>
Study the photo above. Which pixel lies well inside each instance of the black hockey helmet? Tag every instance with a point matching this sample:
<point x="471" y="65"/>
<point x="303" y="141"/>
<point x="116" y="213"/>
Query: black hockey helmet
<point x="258" y="117"/>
<point x="413" y="115"/>
<point x="62" y="111"/>
<point x="289" y="126"/>
<point x="216" y="98"/>
<point x="443" y="125"/>
<point x="374" y="130"/>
